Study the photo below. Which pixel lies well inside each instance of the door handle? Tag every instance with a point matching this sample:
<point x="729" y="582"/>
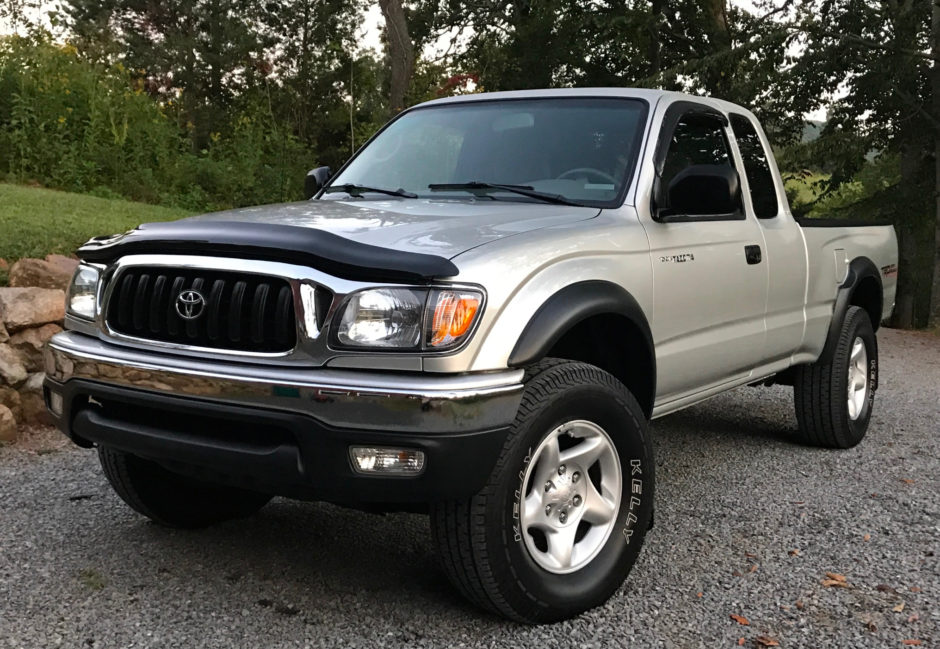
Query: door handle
<point x="752" y="254"/>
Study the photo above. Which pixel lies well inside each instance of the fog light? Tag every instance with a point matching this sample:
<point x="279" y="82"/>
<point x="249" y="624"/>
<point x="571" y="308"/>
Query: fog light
<point x="55" y="403"/>
<point x="395" y="461"/>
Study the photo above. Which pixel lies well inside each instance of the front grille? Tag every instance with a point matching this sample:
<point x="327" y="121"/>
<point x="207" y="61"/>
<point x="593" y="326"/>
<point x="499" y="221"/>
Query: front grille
<point x="235" y="311"/>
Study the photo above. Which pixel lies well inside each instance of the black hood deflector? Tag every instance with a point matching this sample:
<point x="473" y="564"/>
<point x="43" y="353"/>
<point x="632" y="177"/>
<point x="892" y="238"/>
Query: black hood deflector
<point x="284" y="243"/>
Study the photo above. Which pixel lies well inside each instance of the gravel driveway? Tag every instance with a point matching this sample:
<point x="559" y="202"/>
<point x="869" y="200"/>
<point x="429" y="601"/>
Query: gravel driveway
<point x="747" y="523"/>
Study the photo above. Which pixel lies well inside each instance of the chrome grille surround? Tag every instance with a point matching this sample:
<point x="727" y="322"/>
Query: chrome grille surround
<point x="316" y="298"/>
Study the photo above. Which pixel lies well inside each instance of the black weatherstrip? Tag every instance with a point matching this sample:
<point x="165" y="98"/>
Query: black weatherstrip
<point x="318" y="249"/>
<point x="839" y="223"/>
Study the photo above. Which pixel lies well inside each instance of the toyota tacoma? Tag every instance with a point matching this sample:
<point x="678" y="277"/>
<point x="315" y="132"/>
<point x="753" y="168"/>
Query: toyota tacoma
<point x="475" y="317"/>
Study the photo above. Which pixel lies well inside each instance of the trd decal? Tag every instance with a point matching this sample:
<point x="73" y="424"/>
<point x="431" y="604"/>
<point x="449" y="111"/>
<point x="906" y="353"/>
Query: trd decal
<point x="889" y="271"/>
<point x="678" y="259"/>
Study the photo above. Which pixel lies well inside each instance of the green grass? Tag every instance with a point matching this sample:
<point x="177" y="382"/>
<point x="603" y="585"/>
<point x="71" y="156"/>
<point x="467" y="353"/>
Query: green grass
<point x="35" y="222"/>
<point x="805" y="186"/>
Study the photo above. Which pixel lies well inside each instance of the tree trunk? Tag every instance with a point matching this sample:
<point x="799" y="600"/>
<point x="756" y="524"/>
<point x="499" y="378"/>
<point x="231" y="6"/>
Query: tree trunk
<point x="935" y="105"/>
<point x="915" y="236"/>
<point x="655" y="48"/>
<point x="401" y="53"/>
<point x="303" y="116"/>
<point x="719" y="82"/>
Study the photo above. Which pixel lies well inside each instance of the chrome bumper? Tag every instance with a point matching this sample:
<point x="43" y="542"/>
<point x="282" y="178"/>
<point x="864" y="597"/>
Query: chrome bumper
<point x="387" y="401"/>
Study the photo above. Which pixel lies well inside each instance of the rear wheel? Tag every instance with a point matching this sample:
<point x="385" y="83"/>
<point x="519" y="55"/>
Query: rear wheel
<point x="562" y="518"/>
<point x="171" y="499"/>
<point x="834" y="396"/>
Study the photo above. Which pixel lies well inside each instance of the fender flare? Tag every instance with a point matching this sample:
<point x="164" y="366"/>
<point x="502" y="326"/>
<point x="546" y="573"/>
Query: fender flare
<point x="571" y="305"/>
<point x="859" y="269"/>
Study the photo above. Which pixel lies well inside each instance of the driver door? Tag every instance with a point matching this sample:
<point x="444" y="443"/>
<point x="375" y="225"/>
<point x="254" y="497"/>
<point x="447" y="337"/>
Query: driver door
<point x="710" y="281"/>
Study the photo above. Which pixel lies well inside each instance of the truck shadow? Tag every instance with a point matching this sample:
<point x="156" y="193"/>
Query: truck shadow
<point x="313" y="561"/>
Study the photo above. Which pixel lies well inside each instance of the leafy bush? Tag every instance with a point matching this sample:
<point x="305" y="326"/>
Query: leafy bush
<point x="68" y="123"/>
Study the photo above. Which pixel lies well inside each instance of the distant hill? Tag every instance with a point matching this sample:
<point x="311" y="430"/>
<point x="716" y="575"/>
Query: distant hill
<point x="812" y="130"/>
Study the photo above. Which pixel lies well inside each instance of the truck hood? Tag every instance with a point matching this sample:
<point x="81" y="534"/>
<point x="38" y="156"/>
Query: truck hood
<point x="435" y="227"/>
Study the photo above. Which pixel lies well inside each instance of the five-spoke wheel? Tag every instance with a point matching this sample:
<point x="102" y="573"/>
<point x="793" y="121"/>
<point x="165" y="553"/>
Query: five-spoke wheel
<point x="563" y="515"/>
<point x="834" y="396"/>
<point x="858" y="379"/>
<point x="572" y="488"/>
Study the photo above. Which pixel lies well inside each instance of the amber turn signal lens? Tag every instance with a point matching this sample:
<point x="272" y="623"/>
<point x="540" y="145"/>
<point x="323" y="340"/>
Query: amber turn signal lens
<point x="454" y="312"/>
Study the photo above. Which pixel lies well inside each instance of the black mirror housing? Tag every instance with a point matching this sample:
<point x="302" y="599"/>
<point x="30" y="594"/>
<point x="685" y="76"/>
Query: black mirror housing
<point x="703" y="190"/>
<point x="316" y="180"/>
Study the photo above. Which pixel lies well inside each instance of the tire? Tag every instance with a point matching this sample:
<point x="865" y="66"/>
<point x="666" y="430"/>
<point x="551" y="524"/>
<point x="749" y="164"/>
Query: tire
<point x="827" y="414"/>
<point x="487" y="546"/>
<point x="171" y="499"/>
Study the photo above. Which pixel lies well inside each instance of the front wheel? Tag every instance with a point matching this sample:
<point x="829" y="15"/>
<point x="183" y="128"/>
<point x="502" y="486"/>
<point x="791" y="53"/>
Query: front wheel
<point x="834" y="396"/>
<point x="562" y="518"/>
<point x="172" y="499"/>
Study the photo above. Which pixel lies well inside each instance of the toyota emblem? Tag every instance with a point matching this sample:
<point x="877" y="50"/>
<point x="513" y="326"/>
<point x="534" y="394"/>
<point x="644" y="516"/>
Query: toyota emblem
<point x="190" y="304"/>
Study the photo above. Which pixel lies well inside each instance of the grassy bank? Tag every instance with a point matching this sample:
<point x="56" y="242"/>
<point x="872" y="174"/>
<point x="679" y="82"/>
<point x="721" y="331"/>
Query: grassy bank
<point x="35" y="222"/>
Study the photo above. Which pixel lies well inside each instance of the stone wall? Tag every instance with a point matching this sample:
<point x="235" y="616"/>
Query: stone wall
<point x="31" y="312"/>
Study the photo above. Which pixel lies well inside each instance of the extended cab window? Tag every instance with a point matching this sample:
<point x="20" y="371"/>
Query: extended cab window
<point x="696" y="140"/>
<point x="698" y="180"/>
<point x="757" y="167"/>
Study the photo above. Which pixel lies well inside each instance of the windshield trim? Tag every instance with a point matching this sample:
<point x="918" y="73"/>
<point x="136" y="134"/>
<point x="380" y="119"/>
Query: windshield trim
<point x="629" y="173"/>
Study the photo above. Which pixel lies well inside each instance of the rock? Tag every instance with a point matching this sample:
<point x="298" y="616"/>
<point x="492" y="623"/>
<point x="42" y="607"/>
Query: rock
<point x="63" y="263"/>
<point x="34" y="409"/>
<point x="22" y="308"/>
<point x="42" y="273"/>
<point x="11" y="399"/>
<point x="4" y="336"/>
<point x="32" y="402"/>
<point x="28" y="343"/>
<point x="12" y="372"/>
<point x="33" y="383"/>
<point x="7" y="425"/>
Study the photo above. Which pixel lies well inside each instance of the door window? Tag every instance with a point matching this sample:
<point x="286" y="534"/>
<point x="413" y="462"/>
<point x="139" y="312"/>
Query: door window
<point x="696" y="140"/>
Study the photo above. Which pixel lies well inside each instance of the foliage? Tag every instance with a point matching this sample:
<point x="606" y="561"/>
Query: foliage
<point x="210" y="103"/>
<point x="68" y="123"/>
<point x="871" y="61"/>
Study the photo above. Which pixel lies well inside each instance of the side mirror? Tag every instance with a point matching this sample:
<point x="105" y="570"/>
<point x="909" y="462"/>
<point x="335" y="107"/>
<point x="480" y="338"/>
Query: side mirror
<point x="701" y="190"/>
<point x="315" y="181"/>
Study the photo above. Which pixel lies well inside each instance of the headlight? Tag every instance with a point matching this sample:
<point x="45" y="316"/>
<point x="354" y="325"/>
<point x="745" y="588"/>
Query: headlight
<point x="83" y="290"/>
<point x="382" y="317"/>
<point x="408" y="319"/>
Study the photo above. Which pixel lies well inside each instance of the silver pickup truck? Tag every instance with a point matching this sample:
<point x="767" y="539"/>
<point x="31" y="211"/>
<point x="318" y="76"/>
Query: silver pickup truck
<point x="476" y="317"/>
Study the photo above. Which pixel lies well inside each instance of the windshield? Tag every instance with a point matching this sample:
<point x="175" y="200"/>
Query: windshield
<point x="583" y="150"/>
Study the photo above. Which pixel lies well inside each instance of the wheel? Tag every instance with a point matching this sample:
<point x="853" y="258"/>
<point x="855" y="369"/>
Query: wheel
<point x="834" y="396"/>
<point x="171" y="499"/>
<point x="561" y="520"/>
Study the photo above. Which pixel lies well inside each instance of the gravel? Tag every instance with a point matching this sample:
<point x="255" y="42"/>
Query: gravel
<point x="748" y="523"/>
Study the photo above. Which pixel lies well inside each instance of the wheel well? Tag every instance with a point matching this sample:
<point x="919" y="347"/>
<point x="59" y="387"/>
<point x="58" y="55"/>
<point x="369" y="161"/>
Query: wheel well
<point x="615" y="344"/>
<point x="867" y="295"/>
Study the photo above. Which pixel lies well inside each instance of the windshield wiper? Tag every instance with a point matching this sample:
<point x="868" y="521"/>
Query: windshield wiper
<point x="523" y="190"/>
<point x="357" y="190"/>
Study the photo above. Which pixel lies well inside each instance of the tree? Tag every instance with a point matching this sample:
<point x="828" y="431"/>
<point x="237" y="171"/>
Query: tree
<point x="875" y="57"/>
<point x="207" y="50"/>
<point x="17" y="15"/>
<point x="401" y="53"/>
<point x="935" y="119"/>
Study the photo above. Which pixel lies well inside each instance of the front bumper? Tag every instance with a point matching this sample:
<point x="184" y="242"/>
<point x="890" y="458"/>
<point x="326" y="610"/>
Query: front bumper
<point x="282" y="430"/>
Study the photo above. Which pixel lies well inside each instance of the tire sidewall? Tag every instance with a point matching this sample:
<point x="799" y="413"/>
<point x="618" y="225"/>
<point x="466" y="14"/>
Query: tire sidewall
<point x="619" y="415"/>
<point x="857" y="325"/>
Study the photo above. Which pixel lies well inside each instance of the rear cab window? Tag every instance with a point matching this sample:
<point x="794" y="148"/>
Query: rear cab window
<point x="760" y="178"/>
